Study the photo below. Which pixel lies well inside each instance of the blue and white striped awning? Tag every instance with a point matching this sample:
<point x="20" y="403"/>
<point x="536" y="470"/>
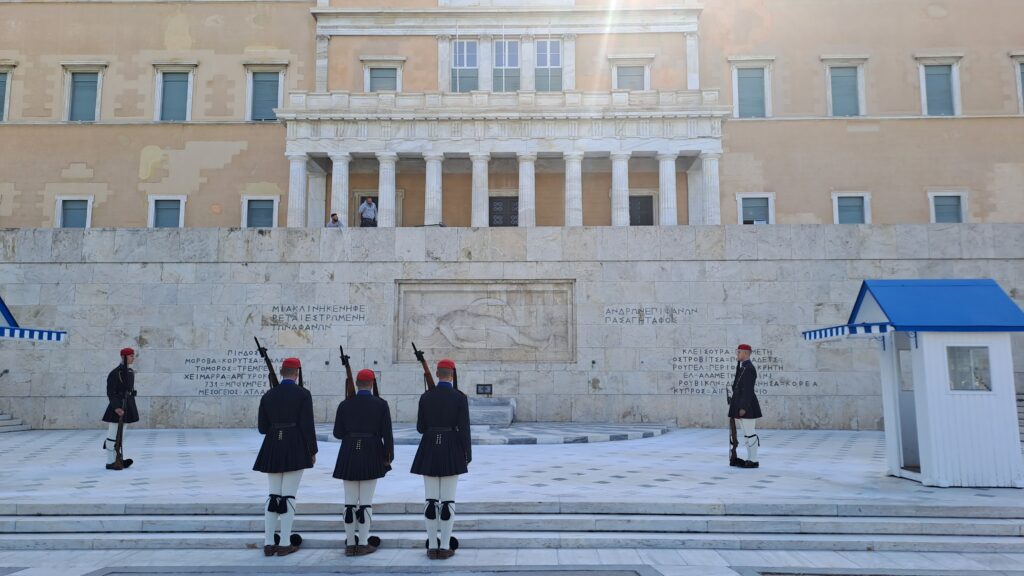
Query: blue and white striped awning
<point x="13" y="330"/>
<point x="845" y="330"/>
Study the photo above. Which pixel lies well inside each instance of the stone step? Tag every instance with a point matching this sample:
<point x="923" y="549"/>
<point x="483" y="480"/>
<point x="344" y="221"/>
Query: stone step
<point x="472" y="523"/>
<point x="10" y="422"/>
<point x="565" y="540"/>
<point x="21" y="428"/>
<point x="4" y="416"/>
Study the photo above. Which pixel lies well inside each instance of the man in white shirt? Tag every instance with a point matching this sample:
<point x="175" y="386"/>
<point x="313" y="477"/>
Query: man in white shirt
<point x="368" y="213"/>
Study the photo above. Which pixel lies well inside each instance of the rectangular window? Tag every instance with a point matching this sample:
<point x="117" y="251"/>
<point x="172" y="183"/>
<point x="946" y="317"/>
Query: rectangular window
<point x="630" y="77"/>
<point x="948" y="209"/>
<point x="750" y="87"/>
<point x="74" y="213"/>
<point x="259" y="214"/>
<point x="850" y="210"/>
<point x="3" y="95"/>
<point x="265" y="95"/>
<point x="383" y="79"/>
<point x="641" y="210"/>
<point x="174" y="96"/>
<point x="1021" y="71"/>
<point x="84" y="87"/>
<point x="939" y="89"/>
<point x="845" y="91"/>
<point x="506" y="65"/>
<point x="548" y="68"/>
<point x="465" y="66"/>
<point x="756" y="210"/>
<point x="969" y="368"/>
<point x="167" y="213"/>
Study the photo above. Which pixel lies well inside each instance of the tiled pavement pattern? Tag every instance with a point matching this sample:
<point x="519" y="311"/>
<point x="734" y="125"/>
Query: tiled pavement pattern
<point x="185" y="467"/>
<point x="551" y="433"/>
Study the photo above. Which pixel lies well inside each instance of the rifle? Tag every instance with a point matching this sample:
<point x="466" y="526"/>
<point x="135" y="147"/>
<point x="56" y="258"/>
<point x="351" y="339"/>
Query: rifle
<point x="300" y="377"/>
<point x="733" y="440"/>
<point x="428" y="378"/>
<point x="271" y="373"/>
<point x="119" y="439"/>
<point x="350" y="385"/>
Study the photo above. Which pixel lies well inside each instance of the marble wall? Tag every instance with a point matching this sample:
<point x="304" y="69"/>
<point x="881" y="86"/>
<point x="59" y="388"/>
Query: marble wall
<point x="582" y="324"/>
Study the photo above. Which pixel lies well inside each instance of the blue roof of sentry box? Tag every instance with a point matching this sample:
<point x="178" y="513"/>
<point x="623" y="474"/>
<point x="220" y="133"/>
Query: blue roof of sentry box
<point x="974" y="305"/>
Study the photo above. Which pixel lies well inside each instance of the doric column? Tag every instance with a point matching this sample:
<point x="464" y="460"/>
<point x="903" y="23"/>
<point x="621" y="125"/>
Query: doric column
<point x="695" y="194"/>
<point x="710" y="188"/>
<point x="527" y="64"/>
<point x="480" y="198"/>
<point x="317" y="202"/>
<point x="620" y="188"/>
<point x="297" y="178"/>
<point x="486" y="63"/>
<point x="386" y="189"/>
<point x="573" y="188"/>
<point x="339" y="186"/>
<point x="527" y="189"/>
<point x="692" y="61"/>
<point x="667" y="214"/>
<point x="444" y="63"/>
<point x="568" y="62"/>
<point x="432" y="200"/>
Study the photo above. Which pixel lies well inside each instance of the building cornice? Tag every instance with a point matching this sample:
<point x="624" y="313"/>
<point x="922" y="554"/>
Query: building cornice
<point x="478" y="21"/>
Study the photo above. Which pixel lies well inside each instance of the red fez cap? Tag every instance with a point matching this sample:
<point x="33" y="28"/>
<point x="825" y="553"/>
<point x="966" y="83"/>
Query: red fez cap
<point x="366" y="375"/>
<point x="127" y="352"/>
<point x="745" y="347"/>
<point x="446" y="363"/>
<point x="291" y="363"/>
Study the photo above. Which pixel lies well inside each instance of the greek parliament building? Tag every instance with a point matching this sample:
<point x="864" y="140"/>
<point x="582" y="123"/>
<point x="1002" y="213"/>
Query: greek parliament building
<point x="510" y="113"/>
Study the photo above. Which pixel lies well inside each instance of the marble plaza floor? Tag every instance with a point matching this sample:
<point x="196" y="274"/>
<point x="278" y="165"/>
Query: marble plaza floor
<point x="47" y="471"/>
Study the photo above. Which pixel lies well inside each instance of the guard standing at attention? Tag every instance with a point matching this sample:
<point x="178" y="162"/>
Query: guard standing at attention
<point x="444" y="453"/>
<point x="744" y="406"/>
<point x="121" y="403"/>
<point x="289" y="447"/>
<point x="363" y="424"/>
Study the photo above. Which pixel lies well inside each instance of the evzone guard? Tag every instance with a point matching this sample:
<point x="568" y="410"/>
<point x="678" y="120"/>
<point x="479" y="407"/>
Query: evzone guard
<point x="744" y="408"/>
<point x="289" y="447"/>
<point x="363" y="424"/>
<point x="444" y="452"/>
<point x="121" y="409"/>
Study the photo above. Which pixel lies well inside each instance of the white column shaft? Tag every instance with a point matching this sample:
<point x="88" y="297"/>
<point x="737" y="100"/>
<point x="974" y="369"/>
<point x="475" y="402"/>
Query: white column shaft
<point x="322" y="49"/>
<point x="620" y="189"/>
<point x="444" y="63"/>
<point x="667" y="212"/>
<point x="480" y="199"/>
<point x="692" y="61"/>
<point x="527" y="190"/>
<point x="317" y="204"/>
<point x="297" y="180"/>
<point x="386" y="190"/>
<point x="432" y="202"/>
<point x="695" y="194"/>
<point x="569" y="62"/>
<point x="339" y="187"/>
<point x="574" y="189"/>
<point x="486" y="63"/>
<point x="712" y="194"/>
<point x="527" y="63"/>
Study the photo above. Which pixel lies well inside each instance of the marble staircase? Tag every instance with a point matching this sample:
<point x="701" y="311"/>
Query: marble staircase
<point x="10" y="424"/>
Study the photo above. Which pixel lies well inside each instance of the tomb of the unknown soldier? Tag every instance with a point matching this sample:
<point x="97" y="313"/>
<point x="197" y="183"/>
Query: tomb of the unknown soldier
<point x="512" y="288"/>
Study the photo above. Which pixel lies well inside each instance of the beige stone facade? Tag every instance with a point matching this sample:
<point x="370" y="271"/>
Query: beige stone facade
<point x="577" y="156"/>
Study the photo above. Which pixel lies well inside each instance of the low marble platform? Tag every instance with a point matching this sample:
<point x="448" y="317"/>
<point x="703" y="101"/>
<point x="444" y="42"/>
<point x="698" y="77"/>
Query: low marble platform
<point x="532" y="433"/>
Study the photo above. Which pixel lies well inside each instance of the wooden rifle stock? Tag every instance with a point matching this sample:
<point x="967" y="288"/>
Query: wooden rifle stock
<point x="350" y="385"/>
<point x="271" y="373"/>
<point x="428" y="378"/>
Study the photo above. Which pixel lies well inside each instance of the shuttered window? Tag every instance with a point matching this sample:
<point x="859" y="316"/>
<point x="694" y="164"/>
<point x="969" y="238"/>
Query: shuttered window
<point x="166" y="213"/>
<point x="83" y="96"/>
<point x="74" y="213"/>
<point x="756" y="211"/>
<point x="948" y="209"/>
<point x="750" y="87"/>
<point x="939" y="89"/>
<point x="383" y="79"/>
<point x="630" y="77"/>
<point x="3" y="95"/>
<point x="265" y="91"/>
<point x="850" y="210"/>
<point x="260" y="214"/>
<point x="174" y="96"/>
<point x="845" y="92"/>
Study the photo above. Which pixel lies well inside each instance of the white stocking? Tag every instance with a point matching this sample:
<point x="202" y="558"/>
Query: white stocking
<point x="270" y="518"/>
<point x="366" y="489"/>
<point x="109" y="442"/>
<point x="752" y="440"/>
<point x="448" y="484"/>
<point x="289" y="486"/>
<point x="432" y="493"/>
<point x="351" y="500"/>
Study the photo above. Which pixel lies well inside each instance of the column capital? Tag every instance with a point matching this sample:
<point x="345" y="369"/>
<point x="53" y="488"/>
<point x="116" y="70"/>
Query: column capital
<point x="340" y="157"/>
<point x="527" y="156"/>
<point x="619" y="156"/>
<point x="480" y="156"/>
<point x="297" y="157"/>
<point x="433" y="156"/>
<point x="568" y="36"/>
<point x="527" y="37"/>
<point x="573" y="155"/>
<point x="667" y="156"/>
<point x="389" y="157"/>
<point x="443" y="36"/>
<point x="710" y="155"/>
<point x="486" y="37"/>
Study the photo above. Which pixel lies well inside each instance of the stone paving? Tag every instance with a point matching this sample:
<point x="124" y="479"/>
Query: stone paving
<point x="531" y="433"/>
<point x="60" y="469"/>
